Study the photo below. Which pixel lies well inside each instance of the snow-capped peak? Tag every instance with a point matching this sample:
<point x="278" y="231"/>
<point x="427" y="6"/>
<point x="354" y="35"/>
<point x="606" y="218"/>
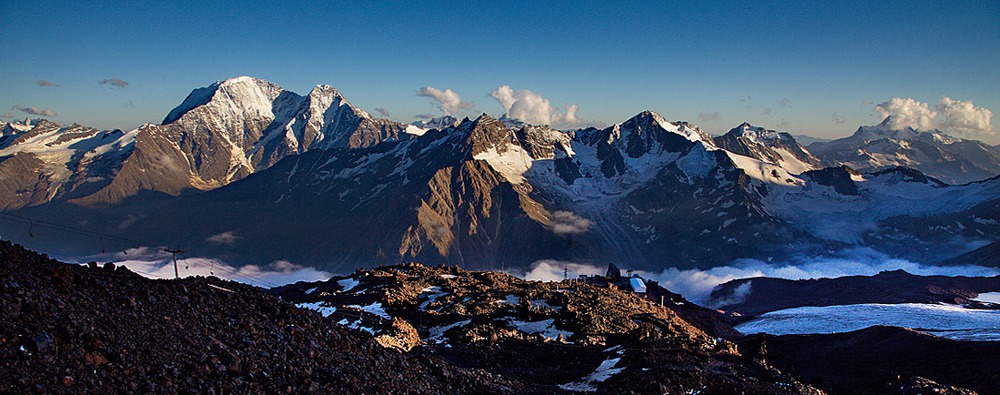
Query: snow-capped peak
<point x="884" y="130"/>
<point x="442" y="122"/>
<point x="756" y="133"/>
<point x="234" y="96"/>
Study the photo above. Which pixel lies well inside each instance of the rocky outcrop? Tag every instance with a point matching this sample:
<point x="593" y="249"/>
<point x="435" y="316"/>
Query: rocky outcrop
<point x="556" y="334"/>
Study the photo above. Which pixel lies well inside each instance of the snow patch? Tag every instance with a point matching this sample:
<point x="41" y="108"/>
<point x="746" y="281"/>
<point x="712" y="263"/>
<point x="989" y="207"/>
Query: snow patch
<point x="988" y="297"/>
<point x="949" y="321"/>
<point x="435" y="293"/>
<point x="602" y="373"/>
<point x="348" y="284"/>
<point x="546" y="328"/>
<point x="374" y="308"/>
<point x="436" y="334"/>
<point x="512" y="164"/>
<point x="318" y="306"/>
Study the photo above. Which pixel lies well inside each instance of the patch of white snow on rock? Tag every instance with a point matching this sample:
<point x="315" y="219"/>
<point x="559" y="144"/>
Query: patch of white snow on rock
<point x="348" y="284"/>
<point x="602" y="373"/>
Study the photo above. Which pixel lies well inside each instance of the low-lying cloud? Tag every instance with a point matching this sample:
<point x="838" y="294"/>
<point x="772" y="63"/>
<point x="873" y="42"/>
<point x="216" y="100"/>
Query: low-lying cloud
<point x="697" y="284"/>
<point x="227" y="238"/>
<point x="449" y="102"/>
<point x="950" y="115"/>
<point x="566" y="223"/>
<point x="47" y="112"/>
<point x="116" y="82"/>
<point x="153" y="262"/>
<point x="553" y="270"/>
<point x="532" y="108"/>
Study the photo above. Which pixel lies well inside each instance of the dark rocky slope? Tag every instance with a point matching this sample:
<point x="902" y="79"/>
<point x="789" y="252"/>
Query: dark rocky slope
<point x="77" y="329"/>
<point x="888" y="360"/>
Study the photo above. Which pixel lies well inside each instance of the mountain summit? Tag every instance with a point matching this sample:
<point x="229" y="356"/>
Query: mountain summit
<point x="219" y="134"/>
<point x="950" y="159"/>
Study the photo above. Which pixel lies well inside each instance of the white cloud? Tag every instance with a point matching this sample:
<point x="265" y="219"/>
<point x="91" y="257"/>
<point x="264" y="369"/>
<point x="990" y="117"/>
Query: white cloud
<point x="949" y="115"/>
<point x="228" y="238"/>
<point x="552" y="270"/>
<point x="565" y="223"/>
<point x="118" y="82"/>
<point x="697" y="284"/>
<point x="838" y="119"/>
<point x="964" y="117"/>
<point x="153" y="262"/>
<point x="382" y="111"/>
<point x="447" y="100"/>
<point x="907" y="113"/>
<point x="532" y="108"/>
<point x="47" y="112"/>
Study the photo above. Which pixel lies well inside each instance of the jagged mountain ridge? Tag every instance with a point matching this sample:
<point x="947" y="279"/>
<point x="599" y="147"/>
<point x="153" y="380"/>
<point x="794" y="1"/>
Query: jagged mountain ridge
<point x="441" y="122"/>
<point x="219" y="134"/>
<point x="654" y="194"/>
<point x="769" y="146"/>
<point x="935" y="153"/>
<point x="487" y="192"/>
<point x="43" y="161"/>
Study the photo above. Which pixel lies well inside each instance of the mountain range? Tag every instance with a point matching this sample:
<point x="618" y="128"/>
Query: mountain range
<point x="315" y="180"/>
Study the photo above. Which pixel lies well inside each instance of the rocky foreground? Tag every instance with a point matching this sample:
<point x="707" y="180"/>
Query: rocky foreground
<point x="422" y="330"/>
<point x="101" y="329"/>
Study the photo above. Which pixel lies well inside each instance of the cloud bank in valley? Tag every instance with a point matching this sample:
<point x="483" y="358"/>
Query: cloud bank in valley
<point x="566" y="223"/>
<point x="696" y="284"/>
<point x="153" y="262"/>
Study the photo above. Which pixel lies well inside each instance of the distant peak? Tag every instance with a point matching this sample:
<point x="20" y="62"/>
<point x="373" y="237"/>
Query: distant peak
<point x="886" y="129"/>
<point x="325" y="88"/>
<point x="240" y="79"/>
<point x="885" y="122"/>
<point x="485" y="118"/>
<point x="648" y="116"/>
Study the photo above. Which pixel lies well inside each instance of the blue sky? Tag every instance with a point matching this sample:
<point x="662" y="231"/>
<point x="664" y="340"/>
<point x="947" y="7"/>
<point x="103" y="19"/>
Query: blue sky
<point x="808" y="68"/>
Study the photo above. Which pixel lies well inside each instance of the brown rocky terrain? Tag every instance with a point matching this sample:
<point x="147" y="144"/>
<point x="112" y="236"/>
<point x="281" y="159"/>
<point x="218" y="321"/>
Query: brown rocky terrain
<point x="559" y="335"/>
